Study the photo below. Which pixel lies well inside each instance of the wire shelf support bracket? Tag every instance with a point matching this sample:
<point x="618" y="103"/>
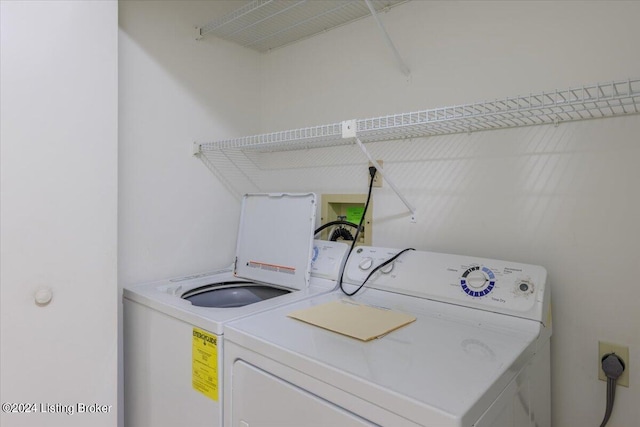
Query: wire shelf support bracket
<point x="196" y="148"/>
<point x="349" y="132"/>
<point x="403" y="66"/>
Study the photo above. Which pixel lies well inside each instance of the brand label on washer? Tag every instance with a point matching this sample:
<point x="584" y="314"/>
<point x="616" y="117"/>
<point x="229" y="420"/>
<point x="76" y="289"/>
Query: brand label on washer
<point x="205" y="363"/>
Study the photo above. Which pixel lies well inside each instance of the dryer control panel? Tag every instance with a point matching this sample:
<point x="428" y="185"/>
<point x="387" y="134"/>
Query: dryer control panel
<point x="492" y="285"/>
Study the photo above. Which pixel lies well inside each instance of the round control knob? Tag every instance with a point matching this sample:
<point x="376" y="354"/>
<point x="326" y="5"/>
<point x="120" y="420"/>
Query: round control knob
<point x="524" y="286"/>
<point x="365" y="263"/>
<point x="476" y="279"/>
<point x="43" y="296"/>
<point x="387" y="268"/>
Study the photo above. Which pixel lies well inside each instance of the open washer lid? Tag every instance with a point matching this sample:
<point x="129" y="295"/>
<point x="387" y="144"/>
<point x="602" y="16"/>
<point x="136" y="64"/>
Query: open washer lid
<point x="275" y="238"/>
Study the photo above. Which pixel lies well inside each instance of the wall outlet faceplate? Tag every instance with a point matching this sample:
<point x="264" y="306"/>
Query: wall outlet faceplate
<point x="622" y="352"/>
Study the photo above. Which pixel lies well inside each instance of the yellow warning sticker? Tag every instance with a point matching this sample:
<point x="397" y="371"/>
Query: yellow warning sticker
<point x="204" y="363"/>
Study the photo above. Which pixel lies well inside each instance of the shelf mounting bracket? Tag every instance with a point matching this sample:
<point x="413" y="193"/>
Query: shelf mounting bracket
<point x="196" y="149"/>
<point x="349" y="131"/>
<point x="403" y="67"/>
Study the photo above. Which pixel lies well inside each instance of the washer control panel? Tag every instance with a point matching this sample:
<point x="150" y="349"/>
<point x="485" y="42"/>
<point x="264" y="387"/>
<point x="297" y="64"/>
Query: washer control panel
<point x="494" y="285"/>
<point x="327" y="258"/>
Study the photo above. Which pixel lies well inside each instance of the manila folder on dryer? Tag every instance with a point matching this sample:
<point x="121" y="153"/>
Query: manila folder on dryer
<point x="360" y="321"/>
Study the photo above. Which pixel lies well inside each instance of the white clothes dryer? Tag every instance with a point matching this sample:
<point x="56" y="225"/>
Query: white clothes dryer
<point x="476" y="355"/>
<point x="173" y="329"/>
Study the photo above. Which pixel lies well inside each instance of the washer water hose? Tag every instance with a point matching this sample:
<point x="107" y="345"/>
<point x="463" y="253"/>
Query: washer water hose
<point x="340" y="233"/>
<point x="613" y="367"/>
<point x="332" y="223"/>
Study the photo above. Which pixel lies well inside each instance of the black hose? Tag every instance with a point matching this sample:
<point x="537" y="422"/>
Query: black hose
<point x="340" y="233"/>
<point x="339" y="222"/>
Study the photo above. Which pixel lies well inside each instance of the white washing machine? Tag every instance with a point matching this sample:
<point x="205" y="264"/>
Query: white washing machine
<point x="476" y="355"/>
<point x="173" y="329"/>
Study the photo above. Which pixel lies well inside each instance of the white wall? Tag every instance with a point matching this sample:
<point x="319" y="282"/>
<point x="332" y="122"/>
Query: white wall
<point x="563" y="197"/>
<point x="175" y="217"/>
<point x="59" y="209"/>
<point x="173" y="214"/>
<point x="559" y="197"/>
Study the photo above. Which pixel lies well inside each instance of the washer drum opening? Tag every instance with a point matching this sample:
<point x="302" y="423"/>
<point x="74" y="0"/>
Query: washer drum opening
<point x="231" y="294"/>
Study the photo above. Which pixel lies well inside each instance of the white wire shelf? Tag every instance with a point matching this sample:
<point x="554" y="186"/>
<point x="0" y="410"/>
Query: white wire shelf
<point x="237" y="162"/>
<point x="586" y="102"/>
<point x="263" y="25"/>
<point x="311" y="137"/>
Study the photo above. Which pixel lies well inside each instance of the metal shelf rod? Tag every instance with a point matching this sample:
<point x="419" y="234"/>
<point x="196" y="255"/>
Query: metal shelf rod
<point x="386" y="178"/>
<point x="403" y="67"/>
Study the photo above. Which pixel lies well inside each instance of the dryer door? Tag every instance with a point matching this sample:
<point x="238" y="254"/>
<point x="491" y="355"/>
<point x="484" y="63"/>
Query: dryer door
<point x="261" y="399"/>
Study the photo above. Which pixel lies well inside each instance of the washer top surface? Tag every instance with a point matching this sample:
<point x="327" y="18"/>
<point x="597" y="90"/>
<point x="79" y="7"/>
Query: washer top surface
<point x="449" y="364"/>
<point x="166" y="295"/>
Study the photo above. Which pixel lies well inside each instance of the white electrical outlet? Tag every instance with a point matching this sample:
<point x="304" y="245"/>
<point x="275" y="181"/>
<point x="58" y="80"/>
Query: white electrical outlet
<point x="620" y="351"/>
